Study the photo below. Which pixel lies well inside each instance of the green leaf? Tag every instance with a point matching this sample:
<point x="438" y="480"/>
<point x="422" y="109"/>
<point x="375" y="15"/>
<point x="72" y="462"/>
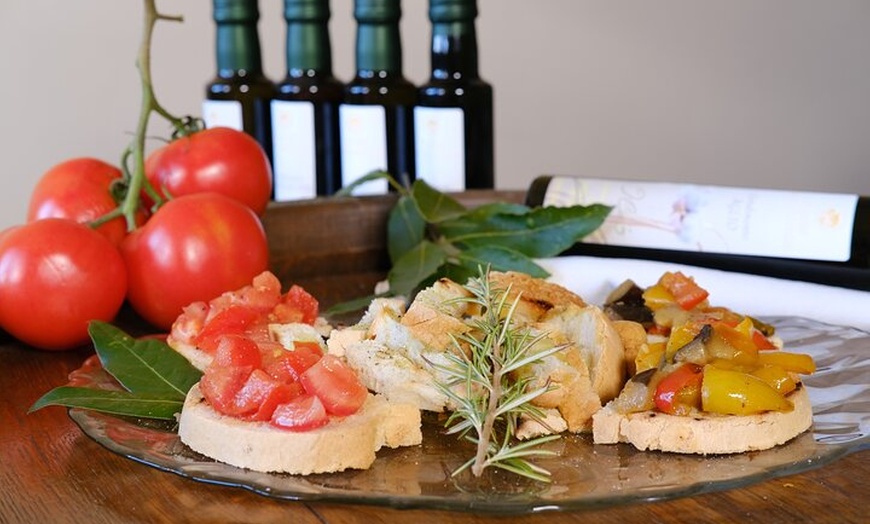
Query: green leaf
<point x="415" y="267"/>
<point x="405" y="228"/>
<point x="500" y="258"/>
<point x="350" y="306"/>
<point x="543" y="232"/>
<point x="113" y="402"/>
<point x="435" y="206"/>
<point x="143" y="367"/>
<point x="484" y="211"/>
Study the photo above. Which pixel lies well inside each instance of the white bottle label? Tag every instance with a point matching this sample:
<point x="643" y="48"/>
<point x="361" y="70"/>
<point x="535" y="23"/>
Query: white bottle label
<point x="293" y="150"/>
<point x="439" y="142"/>
<point x="715" y="219"/>
<point x="363" y="140"/>
<point x="222" y="113"/>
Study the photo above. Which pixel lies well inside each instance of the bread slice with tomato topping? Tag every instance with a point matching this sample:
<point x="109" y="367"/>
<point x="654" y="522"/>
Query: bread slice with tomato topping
<point x="349" y="442"/>
<point x="270" y="398"/>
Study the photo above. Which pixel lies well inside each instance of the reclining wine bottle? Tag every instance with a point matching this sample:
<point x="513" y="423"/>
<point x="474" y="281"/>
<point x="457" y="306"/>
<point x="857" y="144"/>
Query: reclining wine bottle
<point x="799" y="235"/>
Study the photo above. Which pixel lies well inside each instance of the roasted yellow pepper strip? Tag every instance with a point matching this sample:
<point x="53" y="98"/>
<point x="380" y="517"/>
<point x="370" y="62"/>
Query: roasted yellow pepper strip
<point x="734" y="393"/>
<point x="794" y="362"/>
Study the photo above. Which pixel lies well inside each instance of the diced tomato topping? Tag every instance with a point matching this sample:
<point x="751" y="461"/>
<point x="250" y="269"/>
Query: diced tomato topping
<point x="263" y="294"/>
<point x="220" y="384"/>
<point x="336" y="385"/>
<point x="686" y="292"/>
<point x="232" y="320"/>
<point x="297" y="306"/>
<point x="680" y="390"/>
<point x="303" y="413"/>
<point x="308" y="347"/>
<point x="188" y="325"/>
<point x="252" y="376"/>
<point x="277" y="396"/>
<point x="236" y="351"/>
<point x="290" y="365"/>
<point x="261" y="394"/>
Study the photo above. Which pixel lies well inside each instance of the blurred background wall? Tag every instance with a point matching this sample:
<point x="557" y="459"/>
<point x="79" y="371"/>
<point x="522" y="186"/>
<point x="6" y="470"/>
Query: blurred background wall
<point x="764" y="93"/>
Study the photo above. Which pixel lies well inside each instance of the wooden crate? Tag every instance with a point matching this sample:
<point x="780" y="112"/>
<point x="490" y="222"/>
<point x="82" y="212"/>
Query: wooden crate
<point x="336" y="247"/>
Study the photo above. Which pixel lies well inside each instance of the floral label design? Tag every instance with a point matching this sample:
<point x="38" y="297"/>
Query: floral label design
<point x="715" y="219"/>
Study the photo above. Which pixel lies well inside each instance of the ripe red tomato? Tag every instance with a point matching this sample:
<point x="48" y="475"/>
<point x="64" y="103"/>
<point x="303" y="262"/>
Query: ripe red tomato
<point x="78" y="189"/>
<point x="219" y="159"/>
<point x="194" y="248"/>
<point x="55" y="276"/>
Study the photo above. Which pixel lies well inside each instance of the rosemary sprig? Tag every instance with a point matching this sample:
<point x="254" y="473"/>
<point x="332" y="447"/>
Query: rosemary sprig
<point x="481" y="382"/>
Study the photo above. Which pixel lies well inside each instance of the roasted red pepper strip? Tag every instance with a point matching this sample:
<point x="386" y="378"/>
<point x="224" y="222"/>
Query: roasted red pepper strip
<point x="686" y="292"/>
<point x="680" y="390"/>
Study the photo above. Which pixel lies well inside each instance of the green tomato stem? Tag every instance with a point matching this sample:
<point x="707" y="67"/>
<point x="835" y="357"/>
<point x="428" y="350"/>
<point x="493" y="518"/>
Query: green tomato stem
<point x="133" y="158"/>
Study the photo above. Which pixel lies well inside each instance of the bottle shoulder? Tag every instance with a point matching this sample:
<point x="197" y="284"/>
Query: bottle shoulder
<point x="364" y="88"/>
<point x="239" y="87"/>
<point x="452" y="93"/>
<point x="313" y="87"/>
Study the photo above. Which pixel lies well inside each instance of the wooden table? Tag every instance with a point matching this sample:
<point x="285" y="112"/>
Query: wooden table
<point x="50" y="472"/>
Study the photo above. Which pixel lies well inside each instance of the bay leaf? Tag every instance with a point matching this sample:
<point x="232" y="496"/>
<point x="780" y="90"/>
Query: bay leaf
<point x="112" y="402"/>
<point x="417" y="265"/>
<point x="406" y="228"/>
<point x="435" y="206"/>
<point x="500" y="258"/>
<point x="146" y="366"/>
<point x="542" y="232"/>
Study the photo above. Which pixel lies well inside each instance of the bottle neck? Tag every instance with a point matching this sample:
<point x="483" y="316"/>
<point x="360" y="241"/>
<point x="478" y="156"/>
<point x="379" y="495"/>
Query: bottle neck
<point x="308" y="48"/>
<point x="454" y="50"/>
<point x="378" y="48"/>
<point x="238" y="50"/>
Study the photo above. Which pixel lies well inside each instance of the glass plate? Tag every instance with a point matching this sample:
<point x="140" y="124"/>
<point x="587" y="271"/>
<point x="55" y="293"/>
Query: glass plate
<point x="583" y="475"/>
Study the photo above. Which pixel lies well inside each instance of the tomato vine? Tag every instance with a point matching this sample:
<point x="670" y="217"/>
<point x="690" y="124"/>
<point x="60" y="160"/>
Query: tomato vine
<point x="134" y="181"/>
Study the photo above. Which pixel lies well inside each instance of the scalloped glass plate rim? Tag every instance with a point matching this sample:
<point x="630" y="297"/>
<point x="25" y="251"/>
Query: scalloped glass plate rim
<point x="836" y="433"/>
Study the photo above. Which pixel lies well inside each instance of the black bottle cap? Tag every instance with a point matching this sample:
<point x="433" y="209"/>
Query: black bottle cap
<point x="377" y="11"/>
<point x="236" y="11"/>
<point x="302" y="10"/>
<point x="452" y="10"/>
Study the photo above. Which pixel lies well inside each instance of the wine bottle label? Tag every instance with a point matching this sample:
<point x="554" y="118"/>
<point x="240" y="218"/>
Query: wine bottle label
<point x="363" y="137"/>
<point x="439" y="140"/>
<point x="222" y="113"/>
<point x="293" y="150"/>
<point x="758" y="222"/>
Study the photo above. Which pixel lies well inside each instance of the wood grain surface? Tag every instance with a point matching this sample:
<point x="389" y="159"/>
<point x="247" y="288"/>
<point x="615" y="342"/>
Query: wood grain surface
<point x="50" y="472"/>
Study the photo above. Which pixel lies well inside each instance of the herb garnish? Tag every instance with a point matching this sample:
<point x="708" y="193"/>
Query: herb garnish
<point x="432" y="235"/>
<point x="155" y="378"/>
<point x="483" y="384"/>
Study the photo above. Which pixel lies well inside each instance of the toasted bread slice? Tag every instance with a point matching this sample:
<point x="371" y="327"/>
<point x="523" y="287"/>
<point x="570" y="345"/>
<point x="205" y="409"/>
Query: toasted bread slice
<point x="704" y="434"/>
<point x="345" y="443"/>
<point x="393" y="351"/>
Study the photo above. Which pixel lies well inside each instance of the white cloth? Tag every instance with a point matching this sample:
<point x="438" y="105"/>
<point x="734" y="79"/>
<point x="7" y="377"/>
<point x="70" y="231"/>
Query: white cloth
<point x="594" y="277"/>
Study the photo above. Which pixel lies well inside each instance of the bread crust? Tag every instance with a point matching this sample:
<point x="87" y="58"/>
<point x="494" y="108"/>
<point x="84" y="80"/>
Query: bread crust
<point x="345" y="443"/>
<point x="704" y="434"/>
